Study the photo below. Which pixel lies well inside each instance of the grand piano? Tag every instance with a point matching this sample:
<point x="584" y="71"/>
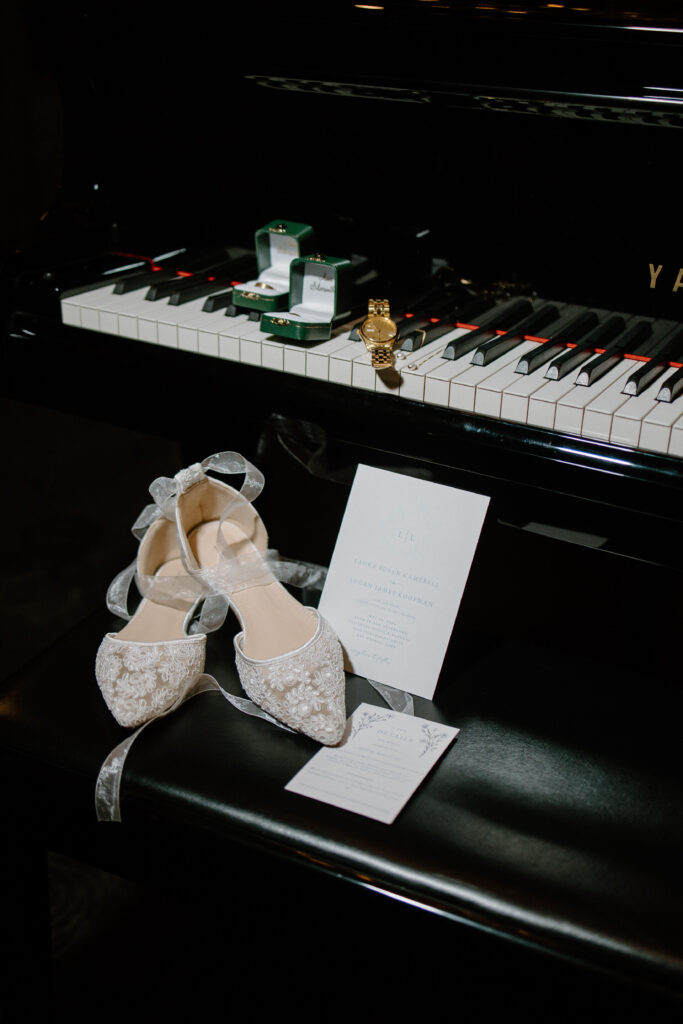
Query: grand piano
<point x="511" y="152"/>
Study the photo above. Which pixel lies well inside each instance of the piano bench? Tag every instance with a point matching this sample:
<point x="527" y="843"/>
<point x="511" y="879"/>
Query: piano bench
<point x="542" y="850"/>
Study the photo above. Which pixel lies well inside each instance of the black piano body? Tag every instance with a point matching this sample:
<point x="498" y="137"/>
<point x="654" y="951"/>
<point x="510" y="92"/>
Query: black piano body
<point x="540" y="146"/>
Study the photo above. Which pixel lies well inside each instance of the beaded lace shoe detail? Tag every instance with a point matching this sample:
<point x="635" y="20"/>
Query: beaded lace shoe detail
<point x="142" y="680"/>
<point x="304" y="688"/>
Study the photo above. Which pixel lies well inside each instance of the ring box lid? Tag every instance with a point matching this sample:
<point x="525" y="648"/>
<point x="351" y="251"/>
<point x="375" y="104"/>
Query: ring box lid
<point x="277" y="244"/>
<point x="319" y="288"/>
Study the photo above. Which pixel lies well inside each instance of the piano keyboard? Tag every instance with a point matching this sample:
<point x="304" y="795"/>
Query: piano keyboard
<point x="600" y="410"/>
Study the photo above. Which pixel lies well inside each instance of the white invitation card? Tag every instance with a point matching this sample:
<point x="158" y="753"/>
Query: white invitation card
<point x="398" y="574"/>
<point x="379" y="764"/>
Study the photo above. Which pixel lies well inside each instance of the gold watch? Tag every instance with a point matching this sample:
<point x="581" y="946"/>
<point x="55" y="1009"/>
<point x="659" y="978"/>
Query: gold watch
<point x="379" y="333"/>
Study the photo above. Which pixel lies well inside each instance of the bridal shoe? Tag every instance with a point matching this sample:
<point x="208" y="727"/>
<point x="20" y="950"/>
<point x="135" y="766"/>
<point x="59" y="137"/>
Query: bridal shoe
<point x="288" y="658"/>
<point x="152" y="662"/>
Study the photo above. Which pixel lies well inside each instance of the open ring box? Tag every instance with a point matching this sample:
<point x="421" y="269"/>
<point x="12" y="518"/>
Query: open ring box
<point x="277" y="244"/>
<point x="320" y="296"/>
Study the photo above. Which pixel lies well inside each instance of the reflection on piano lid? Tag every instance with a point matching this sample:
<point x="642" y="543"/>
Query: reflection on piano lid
<point x="601" y="61"/>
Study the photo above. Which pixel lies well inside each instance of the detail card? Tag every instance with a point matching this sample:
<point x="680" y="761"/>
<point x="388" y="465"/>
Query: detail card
<point x="398" y="574"/>
<point x="379" y="764"/>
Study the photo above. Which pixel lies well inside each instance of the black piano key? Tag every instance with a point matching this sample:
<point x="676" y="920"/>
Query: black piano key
<point x="502" y="318"/>
<point x="598" y="337"/>
<point x="162" y="288"/>
<point x="199" y="262"/>
<point x="142" y="280"/>
<point x="220" y="274"/>
<point x="668" y="349"/>
<point x="473" y="309"/>
<point x="503" y="343"/>
<point x="482" y="316"/>
<point x="78" y="277"/>
<point x="196" y="291"/>
<point x="629" y="341"/>
<point x="433" y="318"/>
<point x="216" y="279"/>
<point x="219" y="300"/>
<point x="431" y="332"/>
<point x="412" y="333"/>
<point x="568" y="329"/>
<point x="673" y="387"/>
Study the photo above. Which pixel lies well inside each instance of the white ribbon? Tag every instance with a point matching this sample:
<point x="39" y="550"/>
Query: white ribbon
<point x="108" y="785"/>
<point x="165" y="490"/>
<point x="398" y="700"/>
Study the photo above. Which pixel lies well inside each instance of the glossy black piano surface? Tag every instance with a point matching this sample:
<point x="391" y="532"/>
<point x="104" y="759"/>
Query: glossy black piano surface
<point x="540" y="146"/>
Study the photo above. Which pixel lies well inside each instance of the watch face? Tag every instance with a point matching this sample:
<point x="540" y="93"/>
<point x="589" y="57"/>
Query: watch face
<point x="379" y="329"/>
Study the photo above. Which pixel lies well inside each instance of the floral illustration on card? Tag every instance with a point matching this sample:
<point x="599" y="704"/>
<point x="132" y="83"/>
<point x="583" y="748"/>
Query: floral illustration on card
<point x="368" y="719"/>
<point x="431" y="738"/>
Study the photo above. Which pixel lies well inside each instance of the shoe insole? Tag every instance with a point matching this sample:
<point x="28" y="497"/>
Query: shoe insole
<point x="273" y="621"/>
<point x="156" y="623"/>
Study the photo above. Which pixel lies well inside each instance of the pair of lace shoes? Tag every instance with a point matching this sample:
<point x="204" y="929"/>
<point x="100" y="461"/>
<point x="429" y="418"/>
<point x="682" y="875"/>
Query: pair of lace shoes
<point x="204" y="546"/>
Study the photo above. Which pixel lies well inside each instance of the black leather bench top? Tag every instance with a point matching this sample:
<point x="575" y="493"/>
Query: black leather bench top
<point x="555" y="818"/>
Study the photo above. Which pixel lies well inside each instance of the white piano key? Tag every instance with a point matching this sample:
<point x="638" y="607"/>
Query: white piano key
<point x="411" y="382"/>
<point x="599" y="414"/>
<point x="464" y="387"/>
<point x="341" y="362"/>
<point x="70" y="305"/>
<point x="318" y="358"/>
<point x="295" y="360"/>
<point x="440" y="372"/>
<point x="489" y="397"/>
<point x="230" y="340"/>
<point x="169" y="318"/>
<point x="437" y="387"/>
<point x="90" y="318"/>
<point x="102" y="307"/>
<point x="412" y="370"/>
<point x="71" y="313"/>
<point x="250" y="350"/>
<point x="200" y="334"/>
<point x="515" y="401"/>
<point x="73" y="306"/>
<point x="273" y="352"/>
<point x="406" y="377"/>
<point x="570" y="408"/>
<point x="676" y="442"/>
<point x="129" y="315"/>
<point x="228" y="347"/>
<point x="363" y="373"/>
<point x="655" y="431"/>
<point x="543" y="402"/>
<point x="251" y="339"/>
<point x="112" y="306"/>
<point x="90" y="303"/>
<point x="628" y="420"/>
<point x="279" y="354"/>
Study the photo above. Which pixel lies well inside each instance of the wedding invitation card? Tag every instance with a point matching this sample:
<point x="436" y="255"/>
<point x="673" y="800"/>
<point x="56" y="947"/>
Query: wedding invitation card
<point x="398" y="574"/>
<point x="379" y="764"/>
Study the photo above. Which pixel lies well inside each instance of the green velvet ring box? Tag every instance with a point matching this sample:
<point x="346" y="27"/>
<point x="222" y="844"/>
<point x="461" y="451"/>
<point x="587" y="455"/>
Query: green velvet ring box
<point x="277" y="244"/>
<point x="320" y="298"/>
